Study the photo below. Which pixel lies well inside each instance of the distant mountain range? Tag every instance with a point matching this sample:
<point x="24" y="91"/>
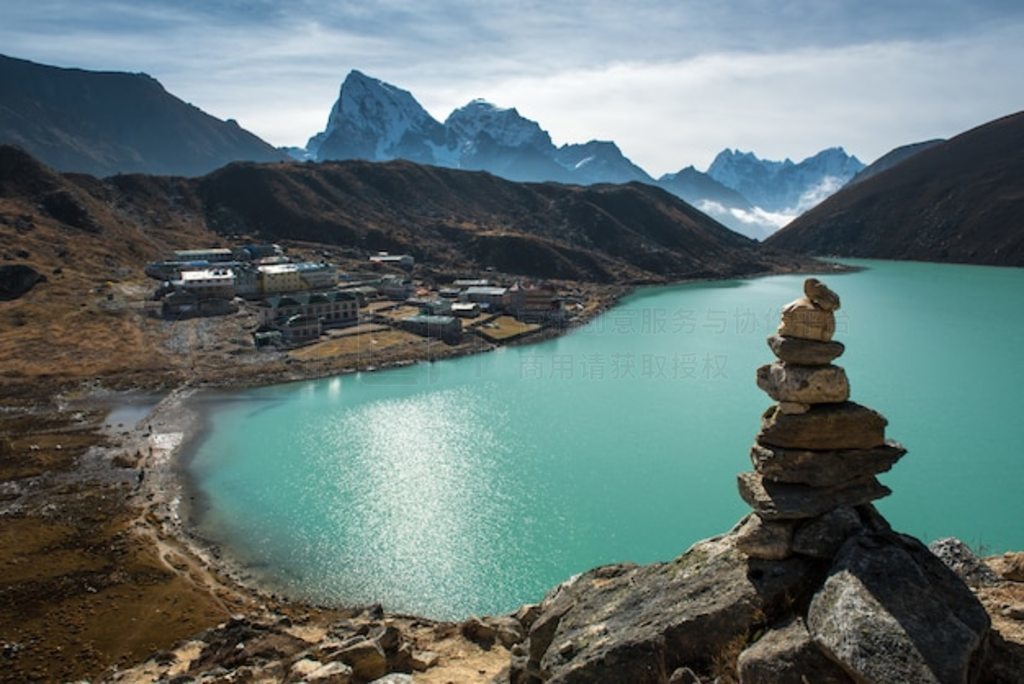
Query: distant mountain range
<point x="377" y="121"/>
<point x="104" y="123"/>
<point x="960" y="200"/>
<point x="453" y="221"/>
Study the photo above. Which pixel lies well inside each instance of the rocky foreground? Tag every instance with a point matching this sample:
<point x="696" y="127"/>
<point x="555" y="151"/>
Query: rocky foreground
<point x="812" y="586"/>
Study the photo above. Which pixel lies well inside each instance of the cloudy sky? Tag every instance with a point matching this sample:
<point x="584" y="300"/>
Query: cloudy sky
<point x="671" y="81"/>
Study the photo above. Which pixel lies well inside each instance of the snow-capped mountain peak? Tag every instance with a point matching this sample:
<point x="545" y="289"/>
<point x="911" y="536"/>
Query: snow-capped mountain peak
<point x="376" y="120"/>
<point x="784" y="186"/>
<point x="505" y="126"/>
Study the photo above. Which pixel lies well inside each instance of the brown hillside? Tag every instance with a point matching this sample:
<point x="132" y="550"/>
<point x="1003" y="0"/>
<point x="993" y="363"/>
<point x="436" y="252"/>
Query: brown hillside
<point x="111" y="122"/>
<point x="89" y="239"/>
<point x="90" y="243"/>
<point x="959" y="201"/>
<point x="472" y="219"/>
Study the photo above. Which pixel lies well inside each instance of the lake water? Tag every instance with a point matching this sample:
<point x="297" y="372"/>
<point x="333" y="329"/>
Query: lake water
<point x="474" y="485"/>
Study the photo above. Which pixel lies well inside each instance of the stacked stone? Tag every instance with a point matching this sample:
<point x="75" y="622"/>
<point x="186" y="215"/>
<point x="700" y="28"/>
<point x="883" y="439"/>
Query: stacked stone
<point x="817" y="454"/>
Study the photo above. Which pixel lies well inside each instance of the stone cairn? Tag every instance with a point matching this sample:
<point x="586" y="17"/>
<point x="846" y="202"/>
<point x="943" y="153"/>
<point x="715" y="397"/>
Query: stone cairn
<point x="817" y="453"/>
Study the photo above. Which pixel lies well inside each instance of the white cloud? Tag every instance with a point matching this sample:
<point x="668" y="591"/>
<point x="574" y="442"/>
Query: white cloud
<point x="867" y="98"/>
<point x="671" y="82"/>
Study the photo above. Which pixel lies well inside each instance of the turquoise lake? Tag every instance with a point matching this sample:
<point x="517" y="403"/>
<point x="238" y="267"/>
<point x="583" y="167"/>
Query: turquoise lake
<point x="473" y="485"/>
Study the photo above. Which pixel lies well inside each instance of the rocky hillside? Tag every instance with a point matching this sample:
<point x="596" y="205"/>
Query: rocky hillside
<point x="958" y="201"/>
<point x="474" y="220"/>
<point x="894" y="157"/>
<point x="69" y="246"/>
<point x="74" y="246"/>
<point x="104" y="123"/>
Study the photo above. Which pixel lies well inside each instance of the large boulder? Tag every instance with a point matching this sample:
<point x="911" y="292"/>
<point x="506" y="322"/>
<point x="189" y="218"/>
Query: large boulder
<point x="827" y="426"/>
<point x="890" y="611"/>
<point x="804" y="384"/>
<point x="823" y="468"/>
<point x="785" y="501"/>
<point x="626" y="623"/>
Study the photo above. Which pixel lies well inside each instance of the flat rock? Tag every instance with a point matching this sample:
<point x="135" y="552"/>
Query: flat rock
<point x="787" y="655"/>
<point x="827" y="426"/>
<point x="1009" y="566"/>
<point x="762" y="539"/>
<point x="331" y="673"/>
<point x="890" y="611"/>
<point x="304" y="667"/>
<point x="787" y="382"/>
<point x="801" y="318"/>
<point x="424" y="660"/>
<point x="785" y="501"/>
<point x="822" y="537"/>
<point x="635" y="624"/>
<point x="823" y="468"/>
<point x="793" y="407"/>
<point x="366" y="658"/>
<point x="805" y="352"/>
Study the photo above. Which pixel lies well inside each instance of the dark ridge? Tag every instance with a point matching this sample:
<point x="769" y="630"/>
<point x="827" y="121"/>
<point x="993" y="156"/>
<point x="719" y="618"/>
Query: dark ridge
<point x="104" y="123"/>
<point x="960" y="201"/>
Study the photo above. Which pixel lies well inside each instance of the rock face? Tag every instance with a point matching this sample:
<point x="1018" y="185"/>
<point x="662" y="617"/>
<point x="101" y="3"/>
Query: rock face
<point x="626" y="623"/>
<point x="812" y="586"/>
<point x="890" y="611"/>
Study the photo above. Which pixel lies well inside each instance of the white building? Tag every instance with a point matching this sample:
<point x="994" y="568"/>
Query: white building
<point x="404" y="260"/>
<point x="207" y="283"/>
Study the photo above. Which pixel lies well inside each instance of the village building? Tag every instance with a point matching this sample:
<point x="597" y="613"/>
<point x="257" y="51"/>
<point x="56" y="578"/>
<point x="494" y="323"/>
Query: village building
<point x="465" y="309"/>
<point x="434" y="307"/>
<point x="492" y="297"/>
<point x="211" y="283"/>
<point x="446" y="328"/>
<point x="300" y="328"/>
<point x="181" y="304"/>
<point x="462" y="283"/>
<point x="449" y="292"/>
<point x="535" y="304"/>
<point x="247" y="281"/>
<point x="395" y="287"/>
<point x="403" y="260"/>
<point x="171" y="270"/>
<point x="333" y="309"/>
<point x="365" y="293"/>
<point x="213" y="255"/>
<point x="255" y="252"/>
<point x="278" y="278"/>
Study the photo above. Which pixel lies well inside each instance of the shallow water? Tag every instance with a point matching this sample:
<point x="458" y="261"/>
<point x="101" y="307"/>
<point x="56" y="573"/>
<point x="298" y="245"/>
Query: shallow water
<point x="127" y="413"/>
<point x="476" y="484"/>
